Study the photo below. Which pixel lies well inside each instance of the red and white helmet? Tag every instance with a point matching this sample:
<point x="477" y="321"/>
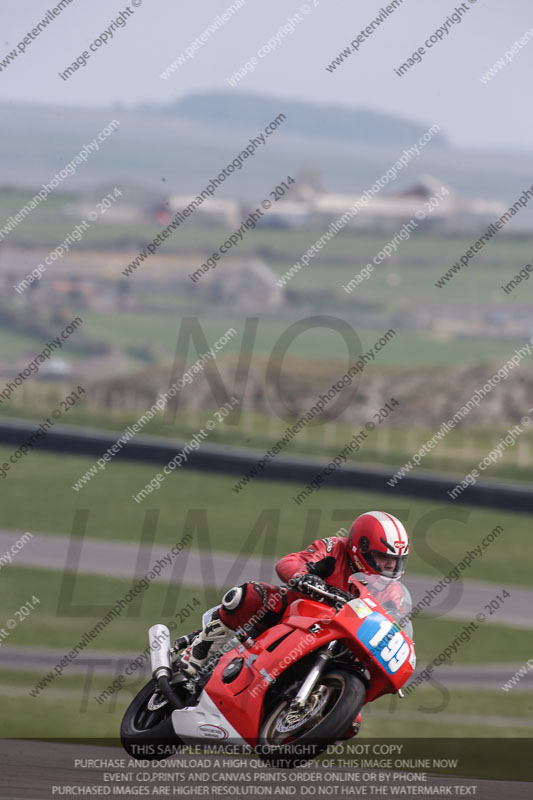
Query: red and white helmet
<point x="378" y="533"/>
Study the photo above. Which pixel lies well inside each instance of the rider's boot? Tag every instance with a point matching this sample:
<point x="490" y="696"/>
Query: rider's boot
<point x="354" y="728"/>
<point x="196" y="656"/>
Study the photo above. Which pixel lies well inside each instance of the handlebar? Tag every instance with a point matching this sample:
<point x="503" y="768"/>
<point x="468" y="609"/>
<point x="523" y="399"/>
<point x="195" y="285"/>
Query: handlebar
<point x="335" y="595"/>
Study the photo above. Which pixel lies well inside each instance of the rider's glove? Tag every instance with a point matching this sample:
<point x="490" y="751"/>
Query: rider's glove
<point x="323" y="568"/>
<point x="305" y="583"/>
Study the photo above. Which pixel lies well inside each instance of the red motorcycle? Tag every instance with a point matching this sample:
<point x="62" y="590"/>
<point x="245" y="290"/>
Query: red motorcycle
<point x="286" y="694"/>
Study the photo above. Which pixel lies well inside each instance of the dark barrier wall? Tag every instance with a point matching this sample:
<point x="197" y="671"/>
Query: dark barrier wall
<point x="237" y="461"/>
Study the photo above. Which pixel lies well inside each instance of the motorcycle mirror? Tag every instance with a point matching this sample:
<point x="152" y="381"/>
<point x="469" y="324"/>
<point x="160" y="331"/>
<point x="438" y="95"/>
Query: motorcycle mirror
<point x="357" y="578"/>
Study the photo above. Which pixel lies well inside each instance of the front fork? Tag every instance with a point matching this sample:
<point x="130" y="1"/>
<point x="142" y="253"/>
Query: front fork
<point x="316" y="671"/>
<point x="311" y="680"/>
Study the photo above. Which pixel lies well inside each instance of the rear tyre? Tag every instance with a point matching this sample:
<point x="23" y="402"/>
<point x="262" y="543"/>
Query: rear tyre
<point x="289" y="739"/>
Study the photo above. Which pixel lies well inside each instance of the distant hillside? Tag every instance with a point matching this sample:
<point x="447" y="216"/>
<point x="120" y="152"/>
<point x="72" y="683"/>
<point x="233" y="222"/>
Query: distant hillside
<point x="357" y="125"/>
<point x="428" y="396"/>
<point x="177" y="148"/>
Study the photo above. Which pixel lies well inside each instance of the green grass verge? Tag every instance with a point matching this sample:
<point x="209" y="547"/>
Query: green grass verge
<point x="56" y="716"/>
<point x="21" y="679"/>
<point x="66" y="610"/>
<point x="388" y="446"/>
<point x="61" y="618"/>
<point x="37" y="496"/>
<point x="398" y="283"/>
<point x="481" y="702"/>
<point x="427" y="713"/>
<point x="407" y="349"/>
<point x="276" y="245"/>
<point x="420" y="729"/>
<point x="432" y="635"/>
<point x="430" y="701"/>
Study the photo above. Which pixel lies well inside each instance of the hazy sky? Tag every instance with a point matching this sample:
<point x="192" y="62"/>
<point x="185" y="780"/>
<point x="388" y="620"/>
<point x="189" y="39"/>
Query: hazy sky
<point x="445" y="87"/>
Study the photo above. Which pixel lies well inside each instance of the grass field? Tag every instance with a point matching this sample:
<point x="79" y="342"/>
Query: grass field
<point x="69" y="709"/>
<point x="16" y="344"/>
<point x="48" y="224"/>
<point x="402" y="280"/>
<point x="56" y="624"/>
<point x="68" y="706"/>
<point x="66" y="610"/>
<point x="236" y="522"/>
<point x="233" y="523"/>
<point x="13" y="199"/>
<point x="388" y="446"/>
<point x="407" y="348"/>
<point x="460" y="701"/>
<point x="414" y="268"/>
<point x="400" y="283"/>
<point x="434" y="712"/>
<point x="57" y="716"/>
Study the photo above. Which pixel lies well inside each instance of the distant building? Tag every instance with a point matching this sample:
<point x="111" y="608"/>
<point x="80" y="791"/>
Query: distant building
<point x="246" y="287"/>
<point x="212" y="212"/>
<point x="305" y="205"/>
<point x="289" y="214"/>
<point x="309" y="206"/>
<point x="137" y="203"/>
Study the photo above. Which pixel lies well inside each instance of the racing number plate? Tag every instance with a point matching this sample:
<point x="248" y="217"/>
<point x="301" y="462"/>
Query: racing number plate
<point x="383" y="639"/>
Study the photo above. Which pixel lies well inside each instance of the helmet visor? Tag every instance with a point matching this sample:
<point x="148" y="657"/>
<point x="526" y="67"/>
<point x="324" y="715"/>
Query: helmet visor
<point x="386" y="564"/>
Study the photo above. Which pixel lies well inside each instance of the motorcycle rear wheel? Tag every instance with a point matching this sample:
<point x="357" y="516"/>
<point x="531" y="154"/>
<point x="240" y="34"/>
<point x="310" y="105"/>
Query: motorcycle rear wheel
<point x="148" y="734"/>
<point x="285" y="742"/>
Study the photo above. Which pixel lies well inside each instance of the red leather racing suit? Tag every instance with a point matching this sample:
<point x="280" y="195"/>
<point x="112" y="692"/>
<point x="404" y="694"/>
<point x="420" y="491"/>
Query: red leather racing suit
<point x="263" y="604"/>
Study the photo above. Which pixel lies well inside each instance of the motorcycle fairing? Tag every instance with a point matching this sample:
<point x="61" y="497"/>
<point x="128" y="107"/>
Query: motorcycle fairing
<point x="378" y="643"/>
<point x="311" y="625"/>
<point x="203" y="721"/>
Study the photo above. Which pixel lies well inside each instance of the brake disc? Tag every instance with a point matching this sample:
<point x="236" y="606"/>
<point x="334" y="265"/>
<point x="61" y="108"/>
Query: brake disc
<point x="296" y="718"/>
<point x="156" y="701"/>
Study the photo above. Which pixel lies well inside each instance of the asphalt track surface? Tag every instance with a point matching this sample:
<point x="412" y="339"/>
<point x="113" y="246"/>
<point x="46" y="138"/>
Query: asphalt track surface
<point x="462" y="600"/>
<point x="30" y="771"/>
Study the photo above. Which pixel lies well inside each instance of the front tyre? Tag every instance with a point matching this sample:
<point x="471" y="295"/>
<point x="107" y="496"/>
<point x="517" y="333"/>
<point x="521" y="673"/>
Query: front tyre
<point x="289" y="739"/>
<point x="146" y="731"/>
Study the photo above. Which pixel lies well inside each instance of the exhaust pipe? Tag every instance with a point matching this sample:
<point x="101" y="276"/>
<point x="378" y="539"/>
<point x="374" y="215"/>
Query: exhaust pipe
<point x="159" y="640"/>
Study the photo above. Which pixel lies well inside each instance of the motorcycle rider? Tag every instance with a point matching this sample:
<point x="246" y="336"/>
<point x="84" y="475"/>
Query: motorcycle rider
<point x="376" y="550"/>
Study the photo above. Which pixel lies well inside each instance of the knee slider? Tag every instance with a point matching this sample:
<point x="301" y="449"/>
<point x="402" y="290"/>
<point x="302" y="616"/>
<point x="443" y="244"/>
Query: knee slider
<point x="233" y="599"/>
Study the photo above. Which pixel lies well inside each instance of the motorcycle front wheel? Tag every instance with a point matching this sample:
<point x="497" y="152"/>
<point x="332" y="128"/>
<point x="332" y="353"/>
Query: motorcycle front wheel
<point x="288" y="738"/>
<point x="146" y="731"/>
